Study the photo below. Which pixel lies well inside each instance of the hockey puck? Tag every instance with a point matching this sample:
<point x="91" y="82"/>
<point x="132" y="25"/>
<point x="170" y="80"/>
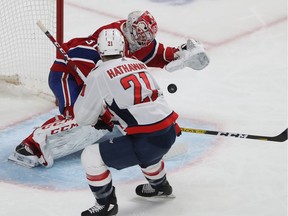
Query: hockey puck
<point x="172" y="88"/>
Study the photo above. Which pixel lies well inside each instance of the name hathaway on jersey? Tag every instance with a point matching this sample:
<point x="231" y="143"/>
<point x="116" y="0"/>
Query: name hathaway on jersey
<point x="125" y="68"/>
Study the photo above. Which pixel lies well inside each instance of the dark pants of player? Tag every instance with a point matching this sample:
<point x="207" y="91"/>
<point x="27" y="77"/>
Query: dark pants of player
<point x="141" y="149"/>
<point x="65" y="89"/>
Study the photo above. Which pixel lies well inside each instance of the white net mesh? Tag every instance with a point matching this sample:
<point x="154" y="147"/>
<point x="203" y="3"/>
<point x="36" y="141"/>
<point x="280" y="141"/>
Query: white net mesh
<point x="26" y="53"/>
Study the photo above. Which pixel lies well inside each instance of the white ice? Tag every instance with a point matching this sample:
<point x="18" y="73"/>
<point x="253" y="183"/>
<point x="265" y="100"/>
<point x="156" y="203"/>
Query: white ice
<point x="243" y="90"/>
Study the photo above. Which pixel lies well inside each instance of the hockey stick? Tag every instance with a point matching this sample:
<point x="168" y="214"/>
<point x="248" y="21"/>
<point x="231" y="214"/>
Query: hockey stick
<point x="61" y="50"/>
<point x="278" y="138"/>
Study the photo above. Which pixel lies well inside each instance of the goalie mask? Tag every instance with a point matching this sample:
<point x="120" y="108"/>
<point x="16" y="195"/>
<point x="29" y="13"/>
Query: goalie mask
<point x="110" y="42"/>
<point x="142" y="27"/>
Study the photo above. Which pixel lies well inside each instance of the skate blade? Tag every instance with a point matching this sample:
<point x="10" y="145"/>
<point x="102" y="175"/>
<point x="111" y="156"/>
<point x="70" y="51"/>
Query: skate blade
<point x="171" y="196"/>
<point x="22" y="160"/>
<point x="160" y="197"/>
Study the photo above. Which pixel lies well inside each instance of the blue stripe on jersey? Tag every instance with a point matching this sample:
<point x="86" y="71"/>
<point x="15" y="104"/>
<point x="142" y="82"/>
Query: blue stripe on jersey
<point x="151" y="53"/>
<point x="59" y="62"/>
<point x="123" y="114"/>
<point x="81" y="52"/>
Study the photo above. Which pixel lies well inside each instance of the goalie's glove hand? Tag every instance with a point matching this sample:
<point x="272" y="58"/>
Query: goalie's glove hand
<point x="105" y="121"/>
<point x="190" y="54"/>
<point x="190" y="45"/>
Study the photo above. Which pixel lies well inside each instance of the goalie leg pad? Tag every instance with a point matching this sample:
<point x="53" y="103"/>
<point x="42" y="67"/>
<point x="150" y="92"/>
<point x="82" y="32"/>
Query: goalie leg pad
<point x="45" y="158"/>
<point x="65" y="137"/>
<point x="56" y="138"/>
<point x="73" y="140"/>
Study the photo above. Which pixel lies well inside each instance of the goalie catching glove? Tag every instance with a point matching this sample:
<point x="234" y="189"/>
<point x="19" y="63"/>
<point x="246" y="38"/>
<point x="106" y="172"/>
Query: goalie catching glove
<point x="191" y="54"/>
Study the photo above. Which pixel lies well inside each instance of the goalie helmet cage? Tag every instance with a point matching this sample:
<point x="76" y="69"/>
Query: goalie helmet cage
<point x="26" y="54"/>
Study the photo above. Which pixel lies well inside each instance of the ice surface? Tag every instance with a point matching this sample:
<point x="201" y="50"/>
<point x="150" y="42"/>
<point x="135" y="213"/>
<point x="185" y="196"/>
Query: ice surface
<point x="243" y="90"/>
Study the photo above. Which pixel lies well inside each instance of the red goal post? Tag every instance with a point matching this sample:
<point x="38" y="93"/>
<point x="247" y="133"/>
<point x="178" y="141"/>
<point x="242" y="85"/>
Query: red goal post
<point x="26" y="54"/>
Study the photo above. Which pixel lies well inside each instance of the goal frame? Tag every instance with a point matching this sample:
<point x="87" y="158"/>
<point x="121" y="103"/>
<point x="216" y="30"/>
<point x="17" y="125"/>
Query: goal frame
<point x="60" y="21"/>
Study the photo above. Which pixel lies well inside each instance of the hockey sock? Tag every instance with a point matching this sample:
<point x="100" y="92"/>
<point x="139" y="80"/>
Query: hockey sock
<point x="155" y="174"/>
<point x="103" y="193"/>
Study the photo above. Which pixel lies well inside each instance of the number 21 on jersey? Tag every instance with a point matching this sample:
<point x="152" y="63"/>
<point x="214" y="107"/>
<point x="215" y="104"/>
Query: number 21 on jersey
<point x="135" y="79"/>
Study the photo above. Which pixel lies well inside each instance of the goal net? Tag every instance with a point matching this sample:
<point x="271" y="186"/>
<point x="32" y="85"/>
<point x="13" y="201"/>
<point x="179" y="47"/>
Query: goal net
<point x="25" y="52"/>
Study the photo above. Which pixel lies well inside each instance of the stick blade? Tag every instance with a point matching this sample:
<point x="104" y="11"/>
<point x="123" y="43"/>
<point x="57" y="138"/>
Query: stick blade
<point x="281" y="137"/>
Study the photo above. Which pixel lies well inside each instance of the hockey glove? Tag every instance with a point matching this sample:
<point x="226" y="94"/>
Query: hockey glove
<point x="178" y="130"/>
<point x="101" y="125"/>
<point x="105" y="122"/>
<point x="191" y="54"/>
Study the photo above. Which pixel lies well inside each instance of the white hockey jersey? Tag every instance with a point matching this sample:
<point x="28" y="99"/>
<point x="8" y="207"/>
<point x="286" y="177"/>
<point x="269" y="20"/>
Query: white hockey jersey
<point x="130" y="93"/>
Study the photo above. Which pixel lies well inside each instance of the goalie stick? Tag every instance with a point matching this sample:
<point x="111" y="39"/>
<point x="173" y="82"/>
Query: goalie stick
<point x="278" y="138"/>
<point x="61" y="50"/>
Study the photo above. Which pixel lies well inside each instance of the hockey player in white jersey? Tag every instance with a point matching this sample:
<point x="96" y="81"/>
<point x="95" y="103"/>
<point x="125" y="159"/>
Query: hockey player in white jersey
<point x="125" y="87"/>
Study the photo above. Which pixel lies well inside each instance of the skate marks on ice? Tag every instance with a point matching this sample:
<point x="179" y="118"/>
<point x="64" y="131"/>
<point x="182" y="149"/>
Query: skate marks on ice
<point x="67" y="173"/>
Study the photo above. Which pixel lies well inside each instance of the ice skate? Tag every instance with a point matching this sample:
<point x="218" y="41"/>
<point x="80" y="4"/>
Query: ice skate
<point x="163" y="191"/>
<point x="24" y="156"/>
<point x="108" y="209"/>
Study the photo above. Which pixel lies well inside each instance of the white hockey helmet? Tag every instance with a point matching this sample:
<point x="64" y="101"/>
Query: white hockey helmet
<point x="110" y="42"/>
<point x="142" y="27"/>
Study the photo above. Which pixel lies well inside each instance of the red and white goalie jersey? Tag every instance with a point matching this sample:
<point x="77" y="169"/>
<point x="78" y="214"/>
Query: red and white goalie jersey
<point x="82" y="51"/>
<point x="131" y="95"/>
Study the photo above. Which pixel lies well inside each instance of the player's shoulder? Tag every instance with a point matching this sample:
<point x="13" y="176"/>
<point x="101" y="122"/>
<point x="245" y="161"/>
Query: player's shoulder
<point x="111" y="64"/>
<point x="77" y="41"/>
<point x="134" y="63"/>
<point x="116" y="25"/>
